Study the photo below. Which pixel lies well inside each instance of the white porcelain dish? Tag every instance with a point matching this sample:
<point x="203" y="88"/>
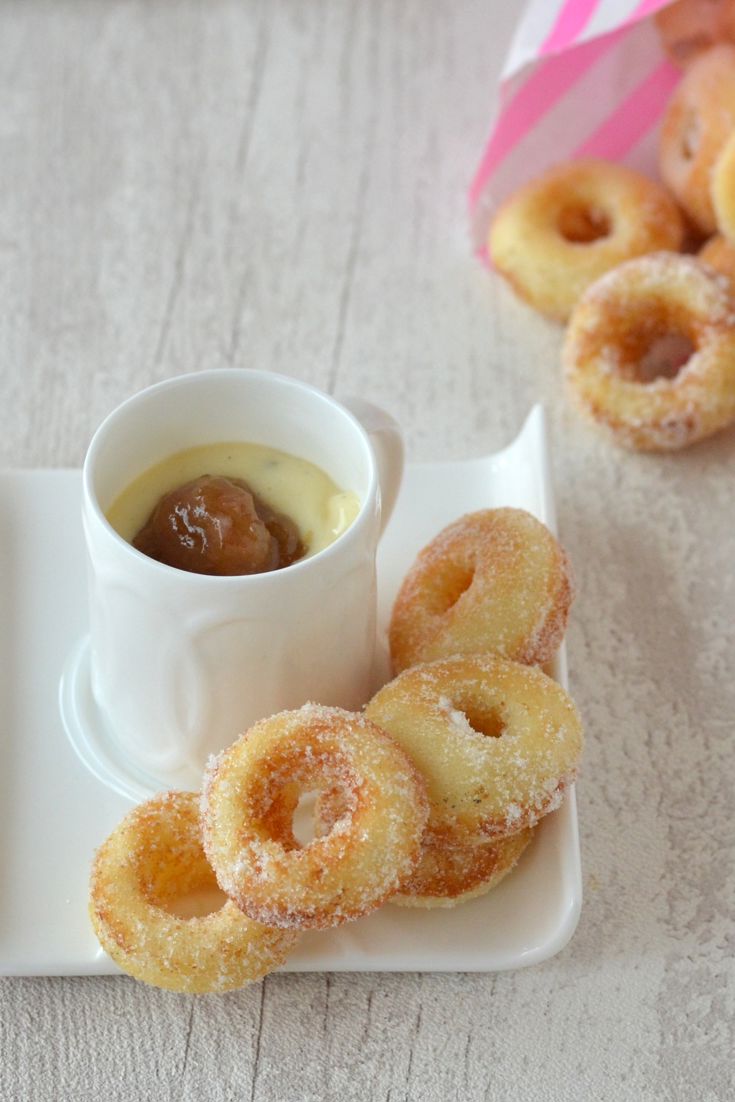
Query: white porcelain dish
<point x="54" y="810"/>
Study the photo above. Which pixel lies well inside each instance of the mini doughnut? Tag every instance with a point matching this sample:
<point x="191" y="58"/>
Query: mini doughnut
<point x="723" y="189"/>
<point x="719" y="254"/>
<point x="559" y="233"/>
<point x="448" y="875"/>
<point x="699" y="118"/>
<point x="150" y="865"/>
<point x="690" y="27"/>
<point x="494" y="580"/>
<point x="332" y="879"/>
<point x="497" y="742"/>
<point x="628" y="339"/>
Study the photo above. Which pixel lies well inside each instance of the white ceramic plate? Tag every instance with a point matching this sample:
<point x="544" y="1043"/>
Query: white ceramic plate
<point x="54" y="811"/>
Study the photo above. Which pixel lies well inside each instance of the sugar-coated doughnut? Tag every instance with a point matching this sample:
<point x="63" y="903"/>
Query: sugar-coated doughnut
<point x="150" y="865"/>
<point x="719" y="254"/>
<point x="690" y="27"/>
<point x="448" y="875"/>
<point x="723" y="189"/>
<point x="699" y="118"/>
<point x="495" y="580"/>
<point x="562" y="231"/>
<point x="497" y="742"/>
<point x="332" y="879"/>
<point x="650" y="353"/>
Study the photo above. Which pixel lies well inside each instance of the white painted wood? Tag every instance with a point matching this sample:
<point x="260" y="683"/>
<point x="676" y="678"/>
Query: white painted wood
<point x="283" y="184"/>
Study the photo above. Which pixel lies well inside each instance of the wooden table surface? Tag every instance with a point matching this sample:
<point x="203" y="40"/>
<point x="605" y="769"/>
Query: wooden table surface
<point x="282" y="185"/>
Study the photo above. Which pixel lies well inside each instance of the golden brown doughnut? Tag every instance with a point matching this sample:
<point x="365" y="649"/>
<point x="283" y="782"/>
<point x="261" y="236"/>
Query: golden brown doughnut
<point x="690" y="27"/>
<point x="448" y="875"/>
<point x="142" y="878"/>
<point x="699" y="118"/>
<point x="497" y="742"/>
<point x="332" y="879"/>
<point x="562" y="231"/>
<point x="619" y="348"/>
<point x="495" y="580"/>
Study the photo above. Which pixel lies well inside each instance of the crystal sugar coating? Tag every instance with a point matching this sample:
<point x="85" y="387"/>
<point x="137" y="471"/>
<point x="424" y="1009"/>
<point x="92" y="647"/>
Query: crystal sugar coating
<point x="493" y="581"/>
<point x="152" y="860"/>
<point x="497" y="742"/>
<point x="251" y="788"/>
<point x="615" y="327"/>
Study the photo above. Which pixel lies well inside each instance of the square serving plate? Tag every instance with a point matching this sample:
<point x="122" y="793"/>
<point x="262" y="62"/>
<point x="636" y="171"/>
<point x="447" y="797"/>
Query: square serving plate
<point x="54" y="812"/>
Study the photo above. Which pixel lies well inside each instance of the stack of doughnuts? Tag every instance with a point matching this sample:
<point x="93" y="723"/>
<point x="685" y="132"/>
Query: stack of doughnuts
<point x="649" y="348"/>
<point x="426" y="799"/>
<point x="484" y="605"/>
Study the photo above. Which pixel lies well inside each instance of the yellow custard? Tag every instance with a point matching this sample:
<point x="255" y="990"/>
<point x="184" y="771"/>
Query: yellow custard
<point x="288" y="484"/>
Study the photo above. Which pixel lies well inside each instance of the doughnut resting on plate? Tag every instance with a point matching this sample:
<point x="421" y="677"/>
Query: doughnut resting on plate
<point x="143" y="876"/>
<point x="493" y="581"/>
<point x="497" y="742"/>
<point x="333" y="878"/>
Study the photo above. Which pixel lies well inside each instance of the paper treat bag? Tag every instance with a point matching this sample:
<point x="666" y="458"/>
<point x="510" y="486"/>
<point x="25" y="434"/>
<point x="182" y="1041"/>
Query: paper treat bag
<point x="584" y="78"/>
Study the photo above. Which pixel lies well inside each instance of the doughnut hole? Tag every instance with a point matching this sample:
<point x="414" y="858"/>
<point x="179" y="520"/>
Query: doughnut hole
<point x="665" y="357"/>
<point x="205" y="899"/>
<point x="307" y="825"/>
<point x="483" y="717"/>
<point x="288" y="812"/>
<point x="655" y="349"/>
<point x="691" y="135"/>
<point x="644" y="341"/>
<point x="454" y="579"/>
<point x="583" y="224"/>
<point x="174" y="875"/>
<point x="303" y="821"/>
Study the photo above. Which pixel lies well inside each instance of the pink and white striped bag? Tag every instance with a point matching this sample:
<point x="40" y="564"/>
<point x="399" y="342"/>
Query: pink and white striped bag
<point x="584" y="78"/>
